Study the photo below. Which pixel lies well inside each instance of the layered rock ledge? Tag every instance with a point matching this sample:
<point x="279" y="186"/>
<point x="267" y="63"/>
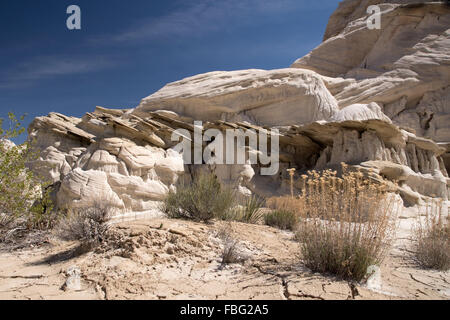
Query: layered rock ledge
<point x="130" y="161"/>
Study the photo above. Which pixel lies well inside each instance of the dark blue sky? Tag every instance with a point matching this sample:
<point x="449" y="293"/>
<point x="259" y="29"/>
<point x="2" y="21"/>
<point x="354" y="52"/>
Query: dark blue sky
<point x="127" y="50"/>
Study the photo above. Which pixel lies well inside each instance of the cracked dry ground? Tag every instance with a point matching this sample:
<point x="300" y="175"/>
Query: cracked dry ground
<point x="174" y="259"/>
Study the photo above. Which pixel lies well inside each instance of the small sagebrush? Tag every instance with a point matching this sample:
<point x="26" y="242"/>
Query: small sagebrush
<point x="230" y="252"/>
<point x="89" y="225"/>
<point x="282" y="219"/>
<point x="202" y="200"/>
<point x="432" y="238"/>
<point x="347" y="223"/>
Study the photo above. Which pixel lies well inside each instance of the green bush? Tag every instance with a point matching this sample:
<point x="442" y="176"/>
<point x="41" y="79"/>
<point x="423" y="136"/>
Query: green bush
<point x="24" y="197"/>
<point x="282" y="219"/>
<point x="201" y="200"/>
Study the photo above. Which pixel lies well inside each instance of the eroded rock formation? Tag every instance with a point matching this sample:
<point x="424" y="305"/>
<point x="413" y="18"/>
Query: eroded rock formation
<point x="404" y="66"/>
<point x="376" y="99"/>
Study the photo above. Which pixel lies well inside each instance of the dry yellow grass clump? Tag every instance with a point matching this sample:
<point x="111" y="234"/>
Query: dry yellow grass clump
<point x="346" y="223"/>
<point x="432" y="235"/>
<point x="286" y="203"/>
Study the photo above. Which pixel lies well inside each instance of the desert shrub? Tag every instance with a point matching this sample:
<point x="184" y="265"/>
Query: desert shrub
<point x="282" y="219"/>
<point x="88" y="225"/>
<point x="24" y="197"/>
<point x="347" y="223"/>
<point x="230" y="253"/>
<point x="432" y="238"/>
<point x="201" y="200"/>
<point x="286" y="210"/>
<point x="250" y="211"/>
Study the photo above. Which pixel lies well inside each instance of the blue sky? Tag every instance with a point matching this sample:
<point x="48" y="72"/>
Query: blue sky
<point x="127" y="50"/>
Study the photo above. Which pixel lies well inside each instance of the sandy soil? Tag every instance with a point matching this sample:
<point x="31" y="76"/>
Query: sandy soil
<point x="175" y="259"/>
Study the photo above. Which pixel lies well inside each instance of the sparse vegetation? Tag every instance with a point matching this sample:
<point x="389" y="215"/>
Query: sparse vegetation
<point x="24" y="197"/>
<point x="346" y="224"/>
<point x="89" y="225"/>
<point x="282" y="219"/>
<point x="201" y="200"/>
<point x="230" y="252"/>
<point x="287" y="203"/>
<point x="251" y="211"/>
<point x="432" y="236"/>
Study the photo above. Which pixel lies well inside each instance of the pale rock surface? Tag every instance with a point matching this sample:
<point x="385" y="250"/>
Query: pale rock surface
<point x="414" y="38"/>
<point x="374" y="282"/>
<point x="110" y="167"/>
<point x="73" y="281"/>
<point x="360" y="112"/>
<point x="276" y="97"/>
<point x="130" y="172"/>
<point x="352" y="10"/>
<point x="404" y="66"/>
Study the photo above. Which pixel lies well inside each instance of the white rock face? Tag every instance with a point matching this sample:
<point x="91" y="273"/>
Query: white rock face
<point x="276" y="97"/>
<point x="360" y="112"/>
<point x="404" y="66"/>
<point x="125" y="169"/>
<point x="352" y="10"/>
<point x="129" y="175"/>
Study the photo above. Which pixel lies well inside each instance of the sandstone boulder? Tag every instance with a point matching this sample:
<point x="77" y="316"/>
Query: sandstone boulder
<point x="276" y="97"/>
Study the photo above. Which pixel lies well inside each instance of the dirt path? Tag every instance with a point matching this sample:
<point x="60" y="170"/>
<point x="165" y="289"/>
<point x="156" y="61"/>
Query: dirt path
<point x="173" y="259"/>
